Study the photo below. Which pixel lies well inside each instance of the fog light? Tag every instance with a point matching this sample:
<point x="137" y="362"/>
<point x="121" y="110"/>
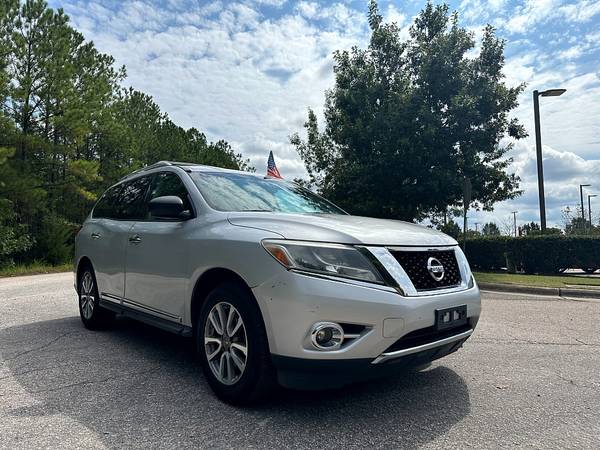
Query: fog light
<point x="327" y="335"/>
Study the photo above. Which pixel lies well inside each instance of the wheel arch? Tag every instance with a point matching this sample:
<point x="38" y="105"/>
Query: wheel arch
<point x="83" y="263"/>
<point x="209" y="280"/>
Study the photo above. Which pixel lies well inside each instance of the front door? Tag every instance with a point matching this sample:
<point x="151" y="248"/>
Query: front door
<point x="157" y="257"/>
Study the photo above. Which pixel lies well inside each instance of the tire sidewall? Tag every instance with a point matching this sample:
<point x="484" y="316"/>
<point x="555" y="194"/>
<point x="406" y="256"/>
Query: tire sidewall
<point x="95" y="320"/>
<point x="257" y="353"/>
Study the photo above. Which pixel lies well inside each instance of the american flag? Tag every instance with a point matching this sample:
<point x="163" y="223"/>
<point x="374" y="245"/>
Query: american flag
<point x="272" y="168"/>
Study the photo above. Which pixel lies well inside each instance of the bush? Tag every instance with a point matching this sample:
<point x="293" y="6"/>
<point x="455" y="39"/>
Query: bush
<point x="13" y="236"/>
<point x="487" y="253"/>
<point x="535" y="254"/>
<point x="54" y="241"/>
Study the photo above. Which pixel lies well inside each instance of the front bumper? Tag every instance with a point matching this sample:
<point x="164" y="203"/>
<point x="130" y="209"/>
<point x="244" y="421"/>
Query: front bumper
<point x="296" y="373"/>
<point x="292" y="302"/>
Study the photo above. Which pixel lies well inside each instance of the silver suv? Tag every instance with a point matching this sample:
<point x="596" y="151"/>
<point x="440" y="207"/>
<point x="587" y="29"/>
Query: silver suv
<point x="273" y="282"/>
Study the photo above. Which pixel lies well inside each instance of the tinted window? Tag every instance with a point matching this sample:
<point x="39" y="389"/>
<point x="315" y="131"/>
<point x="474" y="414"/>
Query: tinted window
<point x="238" y="192"/>
<point x="131" y="204"/>
<point x="105" y="208"/>
<point x="167" y="183"/>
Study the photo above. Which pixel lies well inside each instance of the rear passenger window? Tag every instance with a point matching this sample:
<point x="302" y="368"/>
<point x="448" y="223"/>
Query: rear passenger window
<point x="106" y="206"/>
<point x="131" y="204"/>
<point x="168" y="183"/>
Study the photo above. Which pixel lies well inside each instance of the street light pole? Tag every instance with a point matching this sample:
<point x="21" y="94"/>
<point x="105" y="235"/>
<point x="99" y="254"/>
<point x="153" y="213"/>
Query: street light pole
<point x="590" y="207"/>
<point x="538" y="148"/>
<point x="514" y="213"/>
<point x="581" y="186"/>
<point x="538" y="154"/>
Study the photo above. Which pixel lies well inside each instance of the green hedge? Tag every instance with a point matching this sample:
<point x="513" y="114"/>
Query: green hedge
<point x="534" y="254"/>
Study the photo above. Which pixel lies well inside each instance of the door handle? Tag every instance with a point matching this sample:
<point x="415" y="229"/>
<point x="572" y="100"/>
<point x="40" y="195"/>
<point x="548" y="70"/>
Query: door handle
<point x="135" y="239"/>
<point x="96" y="235"/>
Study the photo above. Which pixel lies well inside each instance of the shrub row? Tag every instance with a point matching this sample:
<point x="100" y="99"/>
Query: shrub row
<point x="534" y="254"/>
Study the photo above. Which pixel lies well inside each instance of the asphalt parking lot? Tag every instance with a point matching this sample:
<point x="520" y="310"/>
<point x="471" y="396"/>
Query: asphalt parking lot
<point x="529" y="377"/>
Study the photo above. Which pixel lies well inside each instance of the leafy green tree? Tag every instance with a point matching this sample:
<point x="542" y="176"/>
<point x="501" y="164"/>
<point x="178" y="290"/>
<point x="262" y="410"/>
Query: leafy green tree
<point x="451" y="228"/>
<point x="531" y="228"/>
<point x="490" y="229"/>
<point x="134" y="133"/>
<point x="13" y="236"/>
<point x="408" y="121"/>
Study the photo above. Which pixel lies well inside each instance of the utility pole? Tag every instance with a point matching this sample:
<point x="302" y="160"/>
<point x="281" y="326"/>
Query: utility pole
<point x="514" y="213"/>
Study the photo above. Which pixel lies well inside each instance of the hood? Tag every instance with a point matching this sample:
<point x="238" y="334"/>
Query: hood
<point x="342" y="229"/>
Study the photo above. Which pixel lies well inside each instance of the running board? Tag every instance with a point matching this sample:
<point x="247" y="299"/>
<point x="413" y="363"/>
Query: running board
<point x="164" y="324"/>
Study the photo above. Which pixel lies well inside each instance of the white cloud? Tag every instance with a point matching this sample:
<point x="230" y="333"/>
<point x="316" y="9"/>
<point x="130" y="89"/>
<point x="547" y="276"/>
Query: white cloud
<point x="534" y="12"/>
<point x="581" y="11"/>
<point x="531" y="13"/>
<point x="563" y="172"/>
<point x="480" y="10"/>
<point x="228" y="70"/>
<point x="277" y="3"/>
<point x="393" y="15"/>
<point x="308" y="9"/>
<point x="571" y="53"/>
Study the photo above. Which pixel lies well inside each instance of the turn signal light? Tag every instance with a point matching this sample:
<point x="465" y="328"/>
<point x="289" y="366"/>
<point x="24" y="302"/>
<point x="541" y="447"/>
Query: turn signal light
<point x="279" y="254"/>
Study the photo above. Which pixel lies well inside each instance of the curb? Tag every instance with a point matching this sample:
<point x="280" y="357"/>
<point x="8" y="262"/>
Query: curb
<point x="537" y="290"/>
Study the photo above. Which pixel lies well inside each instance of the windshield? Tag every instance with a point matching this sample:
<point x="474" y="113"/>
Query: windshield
<point x="238" y="192"/>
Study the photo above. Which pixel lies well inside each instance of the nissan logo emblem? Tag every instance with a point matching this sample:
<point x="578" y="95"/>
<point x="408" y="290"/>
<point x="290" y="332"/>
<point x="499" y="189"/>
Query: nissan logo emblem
<point x="435" y="269"/>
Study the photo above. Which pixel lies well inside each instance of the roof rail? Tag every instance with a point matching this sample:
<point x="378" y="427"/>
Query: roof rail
<point x="151" y="166"/>
<point x="158" y="164"/>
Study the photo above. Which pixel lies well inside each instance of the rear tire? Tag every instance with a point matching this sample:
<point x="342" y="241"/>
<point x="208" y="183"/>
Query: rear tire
<point x="232" y="344"/>
<point x="93" y="316"/>
<point x="590" y="270"/>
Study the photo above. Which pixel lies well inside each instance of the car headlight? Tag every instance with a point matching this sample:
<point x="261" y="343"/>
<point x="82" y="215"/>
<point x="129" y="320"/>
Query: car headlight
<point x="327" y="259"/>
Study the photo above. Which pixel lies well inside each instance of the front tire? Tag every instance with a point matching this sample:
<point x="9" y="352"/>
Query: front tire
<point x="92" y="315"/>
<point x="232" y="344"/>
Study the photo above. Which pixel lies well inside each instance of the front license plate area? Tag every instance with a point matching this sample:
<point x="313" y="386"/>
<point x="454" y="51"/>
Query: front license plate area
<point x="450" y="317"/>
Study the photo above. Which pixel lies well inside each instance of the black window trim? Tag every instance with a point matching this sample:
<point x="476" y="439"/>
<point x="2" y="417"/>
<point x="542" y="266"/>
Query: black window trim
<point x="117" y="185"/>
<point x="152" y="176"/>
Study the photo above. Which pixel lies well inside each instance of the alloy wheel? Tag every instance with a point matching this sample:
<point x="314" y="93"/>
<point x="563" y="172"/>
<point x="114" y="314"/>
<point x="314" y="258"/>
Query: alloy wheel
<point x="86" y="296"/>
<point x="225" y="343"/>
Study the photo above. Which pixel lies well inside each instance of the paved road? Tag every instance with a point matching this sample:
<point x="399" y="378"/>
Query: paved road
<point x="529" y="377"/>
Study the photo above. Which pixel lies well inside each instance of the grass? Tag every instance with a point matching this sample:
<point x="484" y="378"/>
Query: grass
<point x="536" y="280"/>
<point x="34" y="268"/>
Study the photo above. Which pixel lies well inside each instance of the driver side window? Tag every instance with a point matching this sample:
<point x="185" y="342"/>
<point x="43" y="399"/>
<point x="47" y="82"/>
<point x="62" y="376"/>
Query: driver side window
<point x="168" y="183"/>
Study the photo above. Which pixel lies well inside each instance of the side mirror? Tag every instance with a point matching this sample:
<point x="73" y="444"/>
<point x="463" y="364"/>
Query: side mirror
<point x="166" y="207"/>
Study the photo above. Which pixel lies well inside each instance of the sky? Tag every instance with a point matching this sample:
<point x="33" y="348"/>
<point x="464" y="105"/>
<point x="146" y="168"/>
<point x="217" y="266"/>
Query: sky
<point x="247" y="71"/>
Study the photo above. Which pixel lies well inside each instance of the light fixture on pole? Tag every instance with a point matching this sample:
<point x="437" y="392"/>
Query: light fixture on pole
<point x="590" y="207"/>
<point x="538" y="147"/>
<point x="581" y="186"/>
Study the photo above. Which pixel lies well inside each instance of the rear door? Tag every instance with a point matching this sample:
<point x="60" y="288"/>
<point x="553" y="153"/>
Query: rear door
<point x="157" y="256"/>
<point x="105" y="237"/>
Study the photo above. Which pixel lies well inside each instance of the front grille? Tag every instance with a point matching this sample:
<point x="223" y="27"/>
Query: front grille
<point x="414" y="264"/>
<point x="425" y="336"/>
